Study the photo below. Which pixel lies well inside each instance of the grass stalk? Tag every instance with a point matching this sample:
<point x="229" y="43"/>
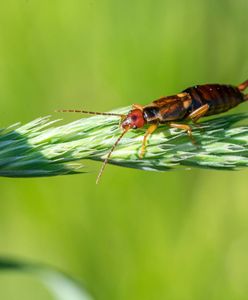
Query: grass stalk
<point x="43" y="147"/>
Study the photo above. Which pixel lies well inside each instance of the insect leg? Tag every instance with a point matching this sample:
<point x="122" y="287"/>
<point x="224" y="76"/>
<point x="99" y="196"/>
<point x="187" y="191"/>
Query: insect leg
<point x="185" y="127"/>
<point x="122" y="119"/>
<point x="138" y="106"/>
<point x="149" y="131"/>
<point x="198" y="113"/>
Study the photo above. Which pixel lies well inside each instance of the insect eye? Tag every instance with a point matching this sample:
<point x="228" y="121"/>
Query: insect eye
<point x="134" y="118"/>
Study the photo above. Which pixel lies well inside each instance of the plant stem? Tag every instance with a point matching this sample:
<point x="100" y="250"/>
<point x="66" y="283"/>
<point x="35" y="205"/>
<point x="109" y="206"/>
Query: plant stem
<point x="43" y="148"/>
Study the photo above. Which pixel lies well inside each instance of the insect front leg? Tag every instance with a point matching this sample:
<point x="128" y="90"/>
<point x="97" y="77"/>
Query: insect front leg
<point x="149" y="131"/>
<point x="138" y="106"/>
<point x="121" y="119"/>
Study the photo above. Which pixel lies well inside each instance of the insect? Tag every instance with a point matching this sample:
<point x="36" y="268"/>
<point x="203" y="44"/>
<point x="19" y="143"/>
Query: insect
<point x="190" y="105"/>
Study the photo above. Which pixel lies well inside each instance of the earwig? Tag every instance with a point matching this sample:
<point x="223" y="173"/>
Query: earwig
<point x="190" y="105"/>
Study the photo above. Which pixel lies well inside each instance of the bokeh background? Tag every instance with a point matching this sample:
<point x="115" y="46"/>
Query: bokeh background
<point x="138" y="235"/>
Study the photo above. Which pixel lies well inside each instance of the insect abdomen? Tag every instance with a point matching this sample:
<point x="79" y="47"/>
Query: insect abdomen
<point x="220" y="98"/>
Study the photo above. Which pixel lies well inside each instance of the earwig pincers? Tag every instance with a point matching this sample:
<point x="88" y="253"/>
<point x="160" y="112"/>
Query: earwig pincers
<point x="190" y="105"/>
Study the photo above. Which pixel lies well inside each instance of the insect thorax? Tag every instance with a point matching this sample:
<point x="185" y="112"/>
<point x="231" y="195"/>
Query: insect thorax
<point x="151" y="113"/>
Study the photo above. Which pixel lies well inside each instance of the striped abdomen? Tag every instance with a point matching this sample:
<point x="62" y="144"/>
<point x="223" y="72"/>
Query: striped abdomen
<point x="220" y="98"/>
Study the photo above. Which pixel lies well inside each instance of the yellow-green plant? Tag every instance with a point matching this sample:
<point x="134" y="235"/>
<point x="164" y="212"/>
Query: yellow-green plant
<point x="60" y="286"/>
<point x="45" y="148"/>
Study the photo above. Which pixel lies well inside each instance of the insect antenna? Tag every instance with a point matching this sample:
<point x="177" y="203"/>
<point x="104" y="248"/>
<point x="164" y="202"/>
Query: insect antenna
<point x="109" y="154"/>
<point x="89" y="112"/>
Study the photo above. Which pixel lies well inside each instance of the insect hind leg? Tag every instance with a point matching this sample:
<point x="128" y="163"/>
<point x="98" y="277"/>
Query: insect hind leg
<point x="198" y="113"/>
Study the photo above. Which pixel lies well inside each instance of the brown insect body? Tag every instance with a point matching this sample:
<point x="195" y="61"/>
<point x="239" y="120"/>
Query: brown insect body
<point x="167" y="109"/>
<point x="191" y="104"/>
<point x="219" y="98"/>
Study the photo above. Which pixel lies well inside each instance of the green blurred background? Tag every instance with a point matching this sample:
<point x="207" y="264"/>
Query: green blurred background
<point x="138" y="235"/>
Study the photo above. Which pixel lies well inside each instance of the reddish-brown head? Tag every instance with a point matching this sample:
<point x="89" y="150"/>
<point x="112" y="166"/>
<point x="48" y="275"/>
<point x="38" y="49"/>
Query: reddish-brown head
<point x="133" y="120"/>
